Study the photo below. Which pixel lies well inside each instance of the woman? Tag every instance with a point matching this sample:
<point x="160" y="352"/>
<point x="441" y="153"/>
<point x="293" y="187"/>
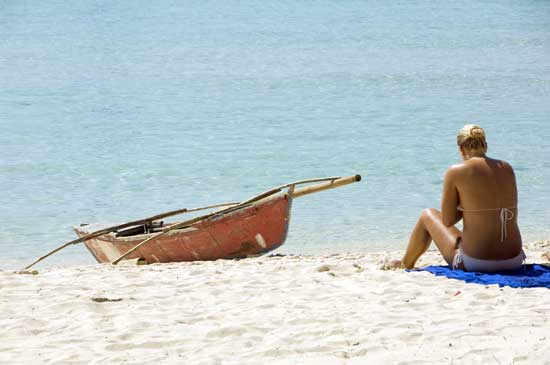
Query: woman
<point x="482" y="192"/>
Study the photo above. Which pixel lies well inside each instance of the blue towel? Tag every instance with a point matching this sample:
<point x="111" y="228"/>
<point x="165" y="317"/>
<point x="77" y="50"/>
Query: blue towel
<point x="529" y="276"/>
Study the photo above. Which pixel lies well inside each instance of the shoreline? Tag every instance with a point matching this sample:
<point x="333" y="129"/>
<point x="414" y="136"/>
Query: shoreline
<point x="60" y="261"/>
<point x="338" y="309"/>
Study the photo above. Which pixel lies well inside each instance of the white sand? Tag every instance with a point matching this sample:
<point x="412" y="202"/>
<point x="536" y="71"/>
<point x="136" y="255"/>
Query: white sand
<point x="338" y="309"/>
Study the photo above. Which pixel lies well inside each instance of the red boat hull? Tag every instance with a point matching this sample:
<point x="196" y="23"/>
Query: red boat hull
<point x="249" y="231"/>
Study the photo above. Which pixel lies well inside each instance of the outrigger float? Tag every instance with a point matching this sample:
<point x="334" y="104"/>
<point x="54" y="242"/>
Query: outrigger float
<point x="249" y="228"/>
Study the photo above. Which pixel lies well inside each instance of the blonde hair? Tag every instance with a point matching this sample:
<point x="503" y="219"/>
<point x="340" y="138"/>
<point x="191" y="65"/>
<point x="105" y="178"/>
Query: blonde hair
<point x="471" y="137"/>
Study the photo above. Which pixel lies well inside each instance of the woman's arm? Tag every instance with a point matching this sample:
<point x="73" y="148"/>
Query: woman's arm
<point x="450" y="200"/>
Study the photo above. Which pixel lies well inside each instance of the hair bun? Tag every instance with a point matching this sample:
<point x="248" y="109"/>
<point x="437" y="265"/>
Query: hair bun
<point x="477" y="132"/>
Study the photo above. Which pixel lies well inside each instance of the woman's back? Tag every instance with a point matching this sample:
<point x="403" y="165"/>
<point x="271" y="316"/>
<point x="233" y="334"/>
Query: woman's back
<point x="488" y="196"/>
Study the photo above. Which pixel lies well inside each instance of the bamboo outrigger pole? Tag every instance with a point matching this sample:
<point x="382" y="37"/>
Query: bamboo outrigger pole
<point x="328" y="183"/>
<point x="325" y="186"/>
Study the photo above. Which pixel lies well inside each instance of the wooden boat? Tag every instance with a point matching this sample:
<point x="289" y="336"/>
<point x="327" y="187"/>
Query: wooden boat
<point x="252" y="227"/>
<point x="249" y="231"/>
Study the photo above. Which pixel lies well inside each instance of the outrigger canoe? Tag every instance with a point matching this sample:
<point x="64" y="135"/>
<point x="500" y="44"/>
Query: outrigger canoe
<point x="250" y="228"/>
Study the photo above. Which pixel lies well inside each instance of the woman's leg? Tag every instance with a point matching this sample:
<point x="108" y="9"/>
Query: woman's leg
<point x="430" y="227"/>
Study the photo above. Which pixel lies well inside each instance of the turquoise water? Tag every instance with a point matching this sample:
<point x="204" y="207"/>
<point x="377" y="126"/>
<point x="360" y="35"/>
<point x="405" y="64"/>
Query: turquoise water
<point x="111" y="111"/>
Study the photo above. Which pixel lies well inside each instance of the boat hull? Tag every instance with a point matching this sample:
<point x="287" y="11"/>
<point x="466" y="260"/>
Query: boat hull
<point x="249" y="231"/>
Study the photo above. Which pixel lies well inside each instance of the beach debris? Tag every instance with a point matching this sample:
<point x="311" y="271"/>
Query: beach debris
<point x="276" y="255"/>
<point x="358" y="268"/>
<point x="133" y="262"/>
<point x="323" y="268"/>
<point x="539" y="244"/>
<point x="27" y="272"/>
<point x="103" y="299"/>
<point x="458" y="292"/>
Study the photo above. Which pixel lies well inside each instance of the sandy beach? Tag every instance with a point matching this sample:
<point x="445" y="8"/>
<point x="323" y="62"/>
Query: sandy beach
<point x="337" y="309"/>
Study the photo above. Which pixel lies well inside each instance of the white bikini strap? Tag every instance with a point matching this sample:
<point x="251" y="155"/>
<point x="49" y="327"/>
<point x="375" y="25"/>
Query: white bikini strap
<point x="505" y="216"/>
<point x="457" y="260"/>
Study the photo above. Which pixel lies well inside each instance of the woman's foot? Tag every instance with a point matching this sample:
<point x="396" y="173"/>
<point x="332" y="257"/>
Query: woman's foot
<point x="392" y="265"/>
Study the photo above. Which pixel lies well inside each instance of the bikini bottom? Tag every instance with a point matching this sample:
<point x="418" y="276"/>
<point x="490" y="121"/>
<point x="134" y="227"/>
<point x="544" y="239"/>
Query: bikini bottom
<point x="473" y="264"/>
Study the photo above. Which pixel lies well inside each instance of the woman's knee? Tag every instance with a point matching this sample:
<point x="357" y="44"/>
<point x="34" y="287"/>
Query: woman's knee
<point x="429" y="214"/>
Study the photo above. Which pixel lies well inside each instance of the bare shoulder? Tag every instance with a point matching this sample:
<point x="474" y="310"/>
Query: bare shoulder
<point x="503" y="165"/>
<point x="455" y="170"/>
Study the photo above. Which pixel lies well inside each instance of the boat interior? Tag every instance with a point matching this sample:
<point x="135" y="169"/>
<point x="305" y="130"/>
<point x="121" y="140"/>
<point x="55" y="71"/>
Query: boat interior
<point x="152" y="227"/>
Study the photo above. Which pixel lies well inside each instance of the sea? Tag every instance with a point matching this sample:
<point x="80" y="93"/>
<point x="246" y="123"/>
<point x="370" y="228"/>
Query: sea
<point x="112" y="111"/>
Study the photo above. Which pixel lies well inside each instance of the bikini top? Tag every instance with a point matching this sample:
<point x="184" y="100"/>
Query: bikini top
<point x="505" y="215"/>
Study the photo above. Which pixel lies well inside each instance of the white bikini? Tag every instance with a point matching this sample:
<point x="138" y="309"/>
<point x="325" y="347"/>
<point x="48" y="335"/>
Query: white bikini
<point x="473" y="264"/>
